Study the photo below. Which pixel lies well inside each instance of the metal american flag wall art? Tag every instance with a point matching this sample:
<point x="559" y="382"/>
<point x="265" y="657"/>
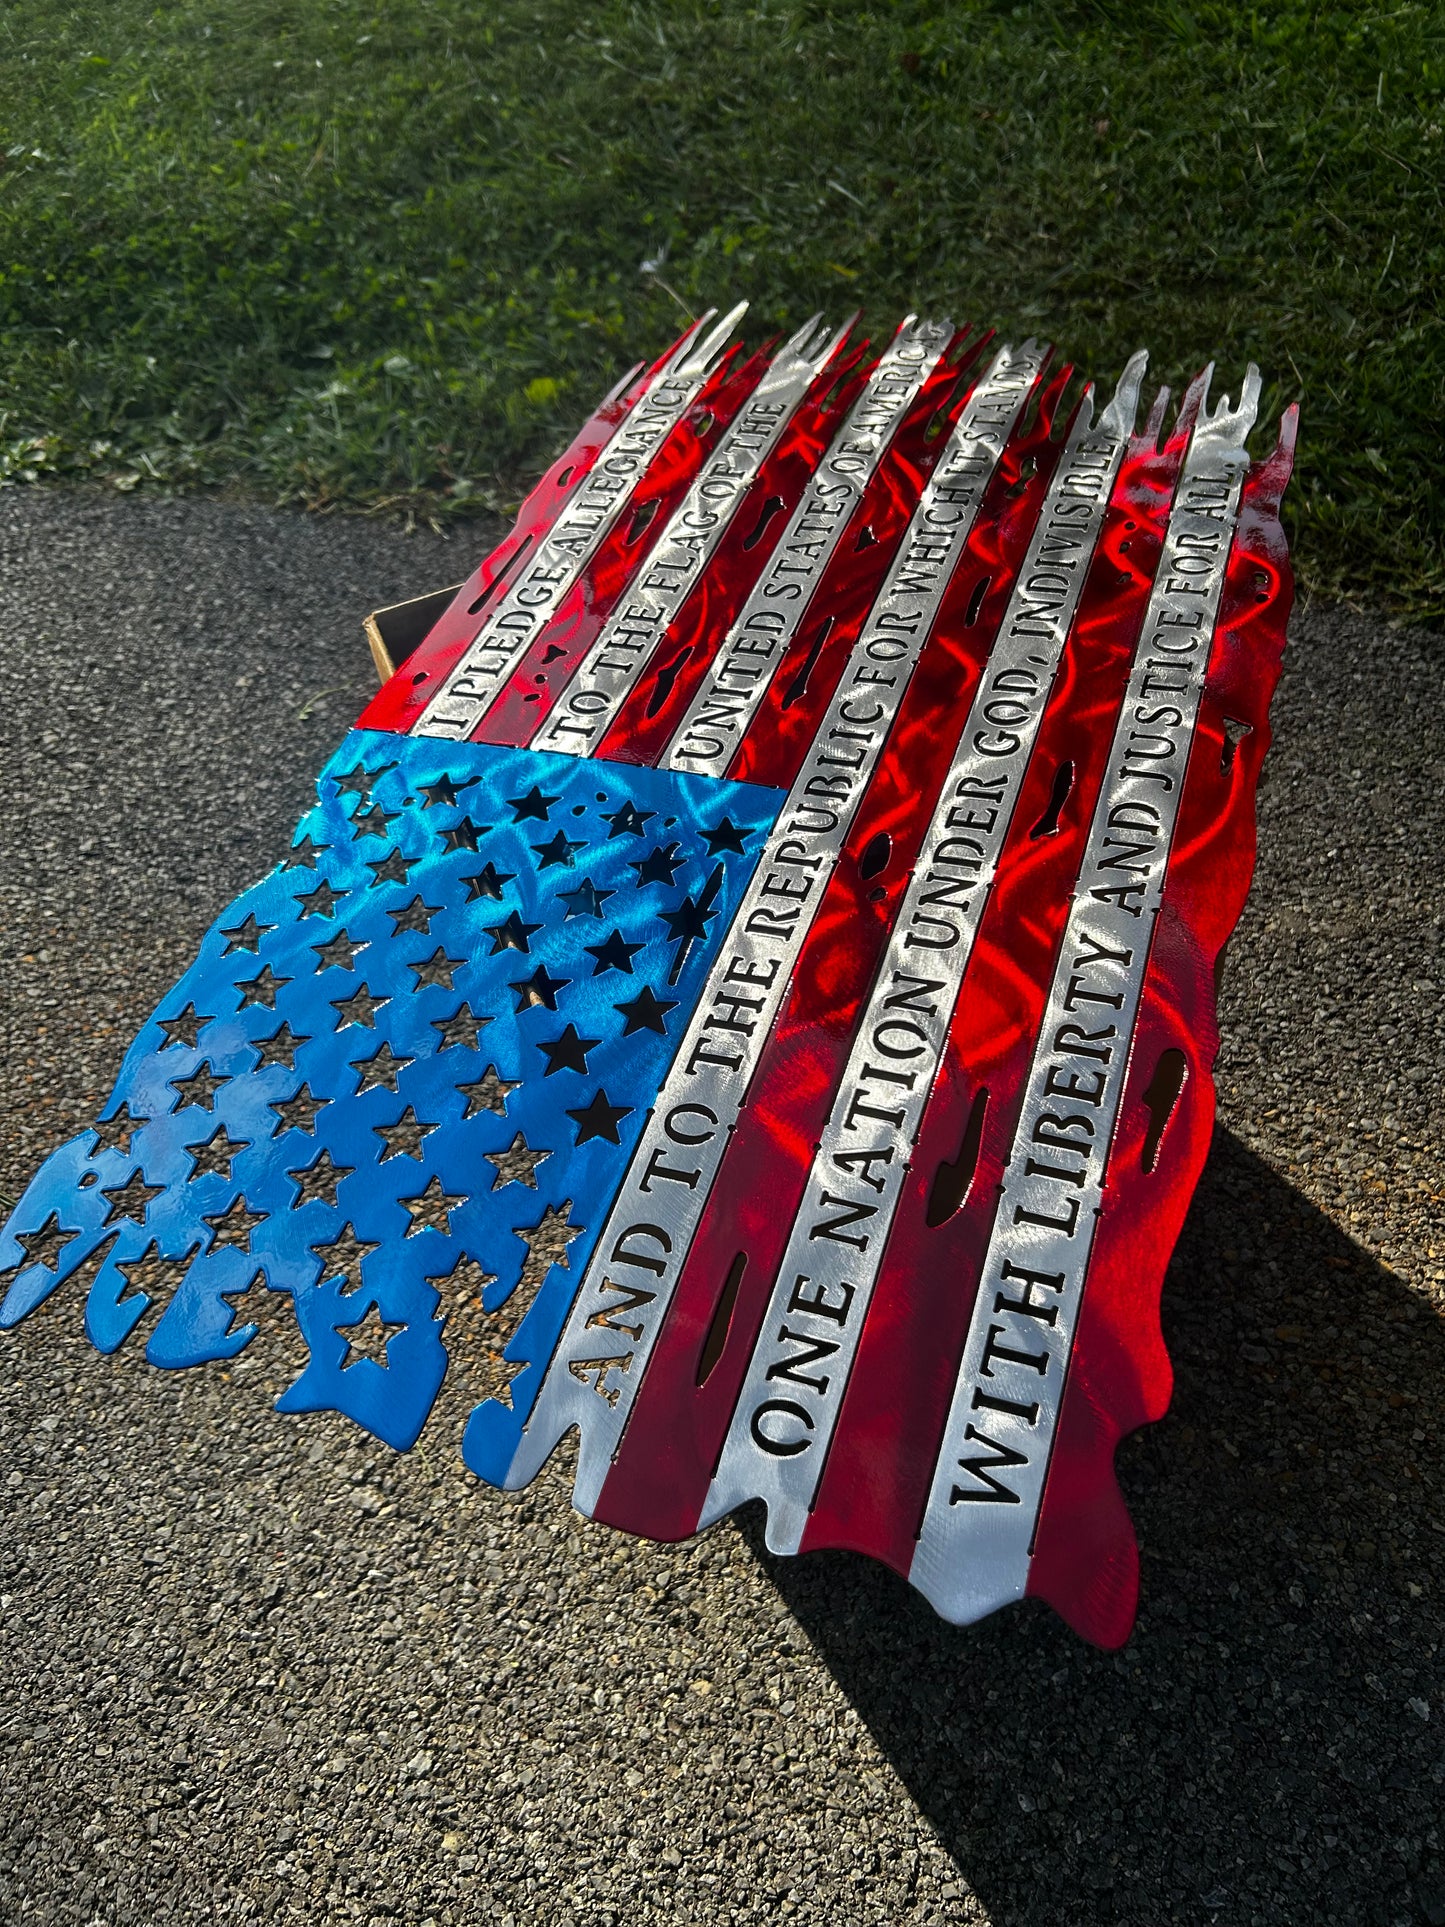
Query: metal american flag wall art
<point x="756" y="958"/>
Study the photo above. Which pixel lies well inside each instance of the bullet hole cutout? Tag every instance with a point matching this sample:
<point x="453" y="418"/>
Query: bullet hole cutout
<point x="553" y="652"/>
<point x="703" y="426"/>
<point x="975" y="601"/>
<point x="797" y="688"/>
<point x="1234" y="734"/>
<point x="1161" y="1098"/>
<point x="876" y="852"/>
<point x="504" y="575"/>
<point x="1261" y="586"/>
<point x="666" y="681"/>
<point x="717" y="1331"/>
<point x="419" y="677"/>
<point x="565" y="477"/>
<point x="1028" y="469"/>
<point x="1048" y="823"/>
<point x="769" y="509"/>
<point x="866" y="539"/>
<point x="952" y="1179"/>
<point x="642" y="518"/>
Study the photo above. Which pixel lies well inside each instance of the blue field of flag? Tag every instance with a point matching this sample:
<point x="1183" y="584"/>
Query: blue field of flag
<point x="436" y="1026"/>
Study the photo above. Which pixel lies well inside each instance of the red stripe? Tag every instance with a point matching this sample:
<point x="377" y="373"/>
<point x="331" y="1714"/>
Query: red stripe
<point x="671" y="1446"/>
<point x="645" y="723"/>
<point x="879" y="1470"/>
<point x="398" y="704"/>
<point x="522" y="704"/>
<point x="1085" y="1559"/>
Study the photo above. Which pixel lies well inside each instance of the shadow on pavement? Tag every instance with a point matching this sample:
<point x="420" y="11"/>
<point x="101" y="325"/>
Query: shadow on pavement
<point x="1253" y="1754"/>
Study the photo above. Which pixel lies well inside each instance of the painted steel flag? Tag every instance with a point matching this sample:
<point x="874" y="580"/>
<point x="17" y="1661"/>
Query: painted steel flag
<point x="755" y="960"/>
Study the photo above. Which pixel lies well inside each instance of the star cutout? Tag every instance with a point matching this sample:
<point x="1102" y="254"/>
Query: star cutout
<point x="339" y="952"/>
<point x="298" y="1113"/>
<point x="585" y="901"/>
<point x="614" y="954"/>
<point x="359" y="1008"/>
<point x="416" y="916"/>
<point x="316" y="1182"/>
<point x="476" y="1339"/>
<point x="234" y="1225"/>
<point x="488" y="1093"/>
<point x="687" y="924"/>
<point x="371" y="1330"/>
<point x="488" y="882"/>
<point x="461" y="1030"/>
<point x="361" y="781"/>
<point x="184" y="1029"/>
<point x="393" y="868"/>
<point x="371" y="822"/>
<point x="516" y="1165"/>
<point x="320" y="902"/>
<point x="404" y="1138"/>
<point x="43" y="1247"/>
<point x="259" y="993"/>
<point x="534" y="805"/>
<point x="726" y="837"/>
<point x="464" y="835"/>
<point x="558" y="853"/>
<point x="232" y="1299"/>
<point x="436" y="971"/>
<point x="151" y="1276"/>
<point x="567" y="1052"/>
<point x="246" y="935"/>
<point x="279" y="1048"/>
<point x="645" y="1012"/>
<point x="442" y="794"/>
<point x="540" y="989"/>
<point x="303" y="855"/>
<point x="199" y="1088"/>
<point x="212" y="1157"/>
<point x="341" y="1257"/>
<point x="511" y="934"/>
<point x="115" y="1133"/>
<point x="379" y="1071"/>
<point x="431" y="1211"/>
<point x="600" y="1119"/>
<point x="131" y="1199"/>
<point x="627" y="821"/>
<point x="546" y="1243"/>
<point x="658" y="866"/>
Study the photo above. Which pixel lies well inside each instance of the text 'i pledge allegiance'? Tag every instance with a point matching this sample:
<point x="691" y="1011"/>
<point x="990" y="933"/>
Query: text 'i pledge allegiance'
<point x="574" y="537"/>
<point x="778" y="1440"/>
<point x="714" y="722"/>
<point x="676" y="563"/>
<point x="973" y="1551"/>
<point x="628" y="1284"/>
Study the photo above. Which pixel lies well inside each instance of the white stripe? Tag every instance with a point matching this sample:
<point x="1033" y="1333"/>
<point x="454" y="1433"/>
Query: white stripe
<point x="624" y="1293"/>
<point x="974" y="1548"/>
<point x="675" y="564"/>
<point x="717" y="718"/>
<point x="783" y="1424"/>
<point x="604" y="492"/>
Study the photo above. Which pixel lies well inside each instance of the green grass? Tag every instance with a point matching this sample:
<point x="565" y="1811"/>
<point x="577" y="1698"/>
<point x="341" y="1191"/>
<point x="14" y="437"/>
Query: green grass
<point x="354" y="253"/>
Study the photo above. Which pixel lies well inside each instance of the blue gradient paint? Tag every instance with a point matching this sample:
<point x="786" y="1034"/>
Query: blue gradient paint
<point x="549" y="825"/>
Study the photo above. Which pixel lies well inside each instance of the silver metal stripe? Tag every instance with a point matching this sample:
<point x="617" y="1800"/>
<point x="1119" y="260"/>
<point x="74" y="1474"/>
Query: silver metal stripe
<point x="533" y="599"/>
<point x="783" y="1424"/>
<point x="625" y="1291"/>
<point x="748" y="656"/>
<point x="974" y="1548"/>
<point x="602" y="682"/>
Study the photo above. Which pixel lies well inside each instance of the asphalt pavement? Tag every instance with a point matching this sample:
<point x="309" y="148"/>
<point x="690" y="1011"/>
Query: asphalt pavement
<point x="259" y="1668"/>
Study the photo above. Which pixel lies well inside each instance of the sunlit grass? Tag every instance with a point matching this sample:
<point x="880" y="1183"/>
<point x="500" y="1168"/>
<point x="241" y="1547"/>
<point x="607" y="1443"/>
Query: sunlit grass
<point x="351" y="253"/>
